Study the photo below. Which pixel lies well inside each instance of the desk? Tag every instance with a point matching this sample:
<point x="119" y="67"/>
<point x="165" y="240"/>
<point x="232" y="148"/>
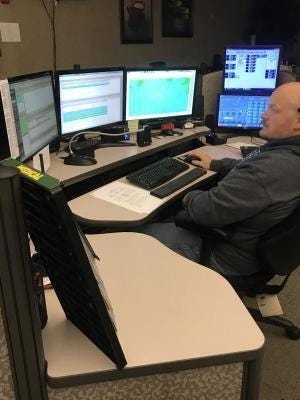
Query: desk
<point x="183" y="329"/>
<point x="95" y="212"/>
<point x="114" y="162"/>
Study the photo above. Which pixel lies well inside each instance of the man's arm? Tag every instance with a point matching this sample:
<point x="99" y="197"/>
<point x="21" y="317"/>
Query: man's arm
<point x="237" y="197"/>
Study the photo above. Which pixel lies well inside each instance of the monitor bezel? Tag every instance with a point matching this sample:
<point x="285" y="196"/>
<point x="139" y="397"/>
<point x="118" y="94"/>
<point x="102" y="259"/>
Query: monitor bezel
<point x="173" y="68"/>
<point x="237" y="129"/>
<point x="57" y="74"/>
<point x="27" y="77"/>
<point x="252" y="47"/>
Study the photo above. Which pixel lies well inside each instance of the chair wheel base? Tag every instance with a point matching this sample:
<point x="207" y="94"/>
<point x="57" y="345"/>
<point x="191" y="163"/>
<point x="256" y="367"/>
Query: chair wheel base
<point x="293" y="332"/>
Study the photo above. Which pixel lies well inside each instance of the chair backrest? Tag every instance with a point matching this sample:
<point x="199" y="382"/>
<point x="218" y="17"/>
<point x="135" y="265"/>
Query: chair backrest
<point x="278" y="248"/>
<point x="285" y="77"/>
<point x="68" y="259"/>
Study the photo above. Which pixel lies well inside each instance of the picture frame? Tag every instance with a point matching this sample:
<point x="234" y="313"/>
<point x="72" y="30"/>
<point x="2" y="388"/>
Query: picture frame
<point x="136" y="21"/>
<point x="177" y="18"/>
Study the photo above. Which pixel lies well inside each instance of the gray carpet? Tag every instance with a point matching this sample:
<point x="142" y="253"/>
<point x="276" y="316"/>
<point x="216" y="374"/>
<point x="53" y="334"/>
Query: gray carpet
<point x="281" y="364"/>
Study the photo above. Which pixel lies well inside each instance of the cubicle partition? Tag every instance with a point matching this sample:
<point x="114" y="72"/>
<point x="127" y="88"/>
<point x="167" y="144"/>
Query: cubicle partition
<point x="20" y="331"/>
<point x="6" y="381"/>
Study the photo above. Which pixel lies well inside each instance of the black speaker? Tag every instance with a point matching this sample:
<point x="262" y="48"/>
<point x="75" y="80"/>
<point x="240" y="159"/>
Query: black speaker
<point x="143" y="138"/>
<point x="198" y="107"/>
<point x="54" y="145"/>
<point x="210" y="122"/>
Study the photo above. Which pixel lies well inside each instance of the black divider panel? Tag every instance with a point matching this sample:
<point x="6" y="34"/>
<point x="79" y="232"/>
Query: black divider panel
<point x="66" y="255"/>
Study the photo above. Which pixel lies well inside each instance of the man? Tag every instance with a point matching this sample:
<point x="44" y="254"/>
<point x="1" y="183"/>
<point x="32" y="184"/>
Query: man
<point x="255" y="193"/>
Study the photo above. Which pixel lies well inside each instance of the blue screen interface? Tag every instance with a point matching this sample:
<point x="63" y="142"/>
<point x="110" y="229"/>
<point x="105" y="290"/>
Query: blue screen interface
<point x="251" y="68"/>
<point x="158" y="94"/>
<point x="241" y="111"/>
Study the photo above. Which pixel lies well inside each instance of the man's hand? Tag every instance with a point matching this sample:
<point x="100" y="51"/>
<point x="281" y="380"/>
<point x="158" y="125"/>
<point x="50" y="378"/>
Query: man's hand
<point x="203" y="161"/>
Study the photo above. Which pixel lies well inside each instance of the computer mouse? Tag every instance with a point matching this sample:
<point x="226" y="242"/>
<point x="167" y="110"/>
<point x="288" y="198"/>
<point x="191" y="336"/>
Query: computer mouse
<point x="188" y="158"/>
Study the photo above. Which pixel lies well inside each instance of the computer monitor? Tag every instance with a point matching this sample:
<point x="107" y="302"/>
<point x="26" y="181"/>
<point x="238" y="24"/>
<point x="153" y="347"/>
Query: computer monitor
<point x="251" y="68"/>
<point x="4" y="143"/>
<point x="240" y="112"/>
<point x="32" y="98"/>
<point x="89" y="99"/>
<point x="154" y="94"/>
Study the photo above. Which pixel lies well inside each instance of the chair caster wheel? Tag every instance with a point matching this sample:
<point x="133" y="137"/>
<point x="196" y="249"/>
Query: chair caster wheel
<point x="293" y="332"/>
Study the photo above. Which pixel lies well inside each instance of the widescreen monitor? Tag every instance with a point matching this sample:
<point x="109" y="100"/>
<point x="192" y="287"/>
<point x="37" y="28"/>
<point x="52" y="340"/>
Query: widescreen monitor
<point x="33" y="105"/>
<point x="4" y="143"/>
<point x="89" y="99"/>
<point x="251" y="68"/>
<point x="153" y="94"/>
<point x="241" y="111"/>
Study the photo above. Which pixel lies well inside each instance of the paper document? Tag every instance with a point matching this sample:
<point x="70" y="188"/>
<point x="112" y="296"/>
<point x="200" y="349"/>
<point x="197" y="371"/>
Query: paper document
<point x="36" y="161"/>
<point x="9" y="119"/>
<point x="128" y="196"/>
<point x="237" y="145"/>
<point x="10" y="32"/>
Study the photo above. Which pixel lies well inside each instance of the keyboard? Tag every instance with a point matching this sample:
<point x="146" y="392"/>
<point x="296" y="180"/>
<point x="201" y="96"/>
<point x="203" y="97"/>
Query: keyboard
<point x="157" y="173"/>
<point x="178" y="183"/>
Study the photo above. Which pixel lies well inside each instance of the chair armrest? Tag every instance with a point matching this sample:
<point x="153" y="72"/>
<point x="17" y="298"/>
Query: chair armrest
<point x="183" y="220"/>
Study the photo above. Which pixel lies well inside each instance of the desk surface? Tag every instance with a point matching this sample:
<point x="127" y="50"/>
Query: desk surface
<point x="95" y="211"/>
<point x="170" y="313"/>
<point x="112" y="157"/>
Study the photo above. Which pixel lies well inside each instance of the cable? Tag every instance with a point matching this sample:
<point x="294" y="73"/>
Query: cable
<point x="46" y="9"/>
<point x="54" y="36"/>
<point x="52" y="22"/>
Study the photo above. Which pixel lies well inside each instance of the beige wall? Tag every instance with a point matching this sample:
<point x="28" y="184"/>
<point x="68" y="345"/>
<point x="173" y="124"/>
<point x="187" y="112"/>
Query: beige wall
<point x="88" y="33"/>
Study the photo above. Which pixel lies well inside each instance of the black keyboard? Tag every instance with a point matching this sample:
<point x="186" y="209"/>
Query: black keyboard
<point x="157" y="173"/>
<point x="178" y="183"/>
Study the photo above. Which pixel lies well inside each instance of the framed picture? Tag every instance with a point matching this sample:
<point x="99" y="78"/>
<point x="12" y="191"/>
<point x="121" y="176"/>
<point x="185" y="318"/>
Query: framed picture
<point x="177" y="18"/>
<point x="136" y="21"/>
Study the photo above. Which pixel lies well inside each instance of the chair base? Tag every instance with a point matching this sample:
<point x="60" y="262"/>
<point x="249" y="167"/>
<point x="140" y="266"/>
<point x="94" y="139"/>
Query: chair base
<point x="291" y="330"/>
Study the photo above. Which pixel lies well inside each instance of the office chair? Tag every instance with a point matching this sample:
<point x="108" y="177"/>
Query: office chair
<point x="278" y="253"/>
<point x="285" y="77"/>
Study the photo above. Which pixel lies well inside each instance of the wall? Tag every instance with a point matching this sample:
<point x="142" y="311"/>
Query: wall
<point x="88" y="33"/>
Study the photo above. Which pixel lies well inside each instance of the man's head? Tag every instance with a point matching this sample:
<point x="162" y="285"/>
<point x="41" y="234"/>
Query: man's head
<point x="282" y="118"/>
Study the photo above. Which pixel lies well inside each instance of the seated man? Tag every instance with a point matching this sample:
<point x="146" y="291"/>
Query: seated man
<point x="255" y="193"/>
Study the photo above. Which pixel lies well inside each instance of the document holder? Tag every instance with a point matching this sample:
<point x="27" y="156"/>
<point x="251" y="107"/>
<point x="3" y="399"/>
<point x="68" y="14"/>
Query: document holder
<point x="68" y="259"/>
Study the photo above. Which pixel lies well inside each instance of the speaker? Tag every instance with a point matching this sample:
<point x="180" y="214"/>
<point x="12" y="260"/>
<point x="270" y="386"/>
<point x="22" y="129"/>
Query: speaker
<point x="198" y="107"/>
<point x="143" y="138"/>
<point x="210" y="122"/>
<point x="54" y="145"/>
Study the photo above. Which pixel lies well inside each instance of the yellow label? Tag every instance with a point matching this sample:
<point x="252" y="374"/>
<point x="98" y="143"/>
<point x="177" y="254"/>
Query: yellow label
<point x="31" y="173"/>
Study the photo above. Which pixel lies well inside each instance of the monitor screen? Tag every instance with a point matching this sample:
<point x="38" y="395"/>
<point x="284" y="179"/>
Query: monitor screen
<point x="241" y="111"/>
<point x="163" y="93"/>
<point x="251" y="67"/>
<point x="89" y="99"/>
<point x="34" y="112"/>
